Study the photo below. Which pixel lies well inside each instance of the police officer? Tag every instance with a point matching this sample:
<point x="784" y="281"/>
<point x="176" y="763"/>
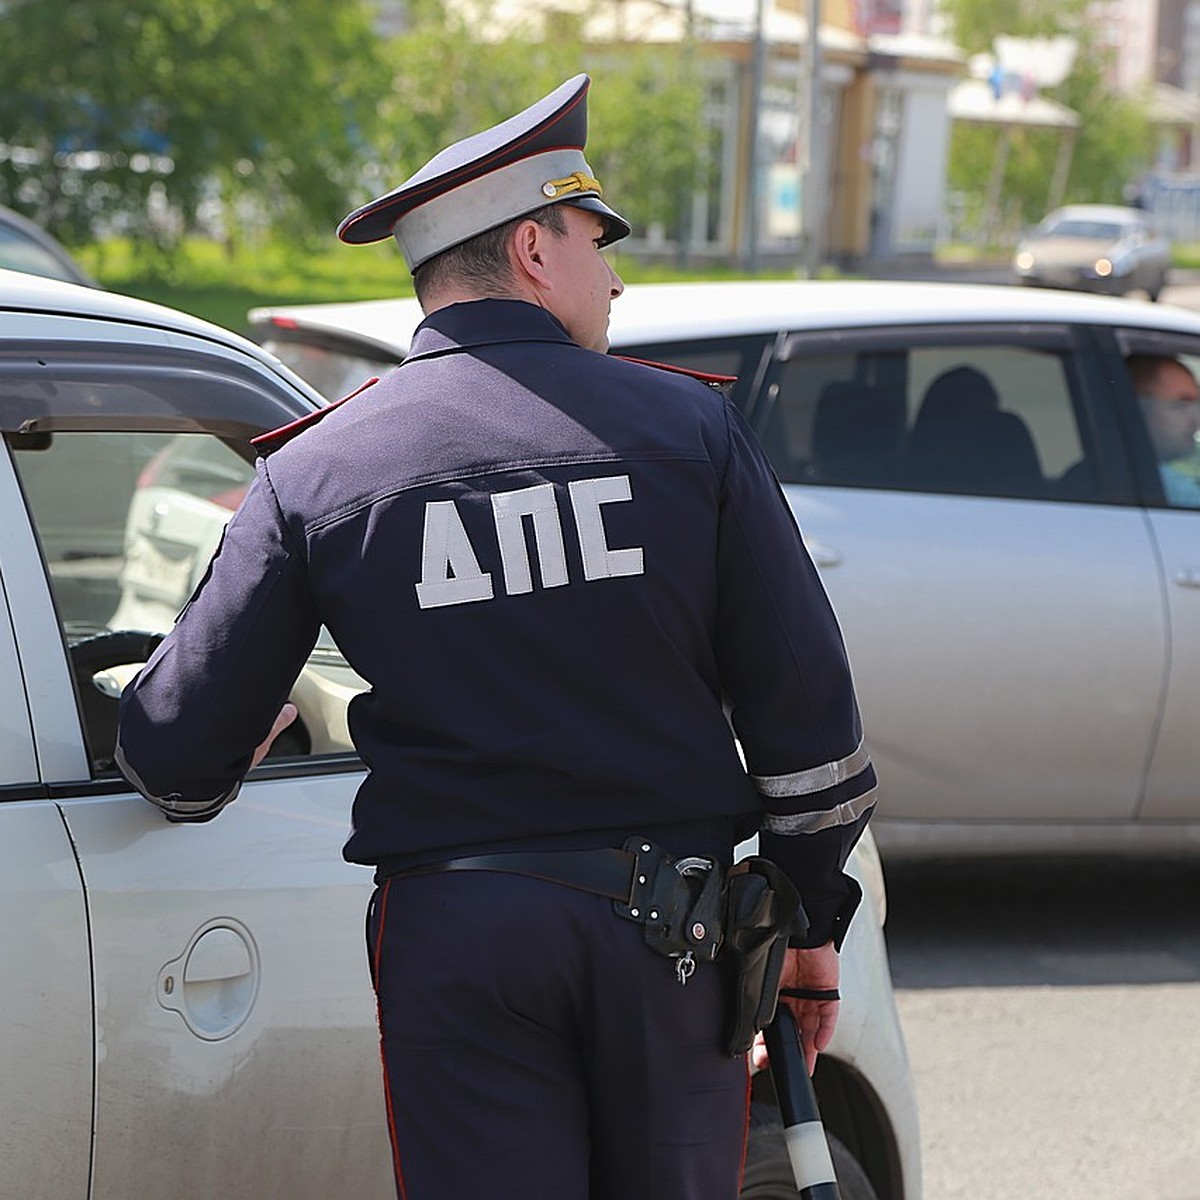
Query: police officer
<point x="566" y="579"/>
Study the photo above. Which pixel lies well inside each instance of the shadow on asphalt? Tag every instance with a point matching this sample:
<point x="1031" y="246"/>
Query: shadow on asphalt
<point x="1003" y="923"/>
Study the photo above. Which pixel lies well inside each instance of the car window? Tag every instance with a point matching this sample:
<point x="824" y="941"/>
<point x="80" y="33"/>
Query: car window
<point x="1166" y="426"/>
<point x="997" y="418"/>
<point x="128" y="520"/>
<point x="1093" y="230"/>
<point x="741" y="357"/>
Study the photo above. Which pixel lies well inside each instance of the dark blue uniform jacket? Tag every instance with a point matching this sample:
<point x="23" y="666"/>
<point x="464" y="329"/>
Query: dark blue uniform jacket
<point x="564" y="576"/>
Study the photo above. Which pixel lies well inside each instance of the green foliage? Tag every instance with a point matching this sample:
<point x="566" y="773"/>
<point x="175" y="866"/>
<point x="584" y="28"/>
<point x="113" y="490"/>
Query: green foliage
<point x="647" y="109"/>
<point x="136" y="114"/>
<point x="222" y="287"/>
<point x="151" y="119"/>
<point x="1112" y="145"/>
<point x="455" y="77"/>
<point x="977" y="22"/>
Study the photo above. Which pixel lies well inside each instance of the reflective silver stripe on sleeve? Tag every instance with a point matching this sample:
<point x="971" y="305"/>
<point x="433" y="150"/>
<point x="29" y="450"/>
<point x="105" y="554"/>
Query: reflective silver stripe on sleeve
<point x="173" y="804"/>
<point x="815" y="779"/>
<point x="814" y="822"/>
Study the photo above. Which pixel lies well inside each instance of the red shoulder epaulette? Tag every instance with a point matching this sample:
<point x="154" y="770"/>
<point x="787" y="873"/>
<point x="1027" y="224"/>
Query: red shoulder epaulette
<point x="274" y="438"/>
<point x="703" y="376"/>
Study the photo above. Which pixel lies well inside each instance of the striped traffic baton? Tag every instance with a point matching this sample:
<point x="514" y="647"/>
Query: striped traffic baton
<point x="803" y="1131"/>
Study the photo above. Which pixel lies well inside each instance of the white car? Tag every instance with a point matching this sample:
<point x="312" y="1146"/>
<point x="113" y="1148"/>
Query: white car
<point x="186" y="1009"/>
<point x="971" y="471"/>
<point x="1095" y="248"/>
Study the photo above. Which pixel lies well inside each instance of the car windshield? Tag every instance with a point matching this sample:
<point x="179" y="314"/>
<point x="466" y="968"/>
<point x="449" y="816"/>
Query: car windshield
<point x="1077" y="227"/>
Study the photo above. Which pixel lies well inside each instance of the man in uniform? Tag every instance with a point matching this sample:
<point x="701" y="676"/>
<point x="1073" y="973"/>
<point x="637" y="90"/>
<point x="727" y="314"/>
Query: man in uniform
<point x="566" y="579"/>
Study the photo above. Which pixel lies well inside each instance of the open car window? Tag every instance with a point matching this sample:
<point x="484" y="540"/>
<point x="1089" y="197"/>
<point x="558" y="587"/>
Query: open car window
<point x="130" y="470"/>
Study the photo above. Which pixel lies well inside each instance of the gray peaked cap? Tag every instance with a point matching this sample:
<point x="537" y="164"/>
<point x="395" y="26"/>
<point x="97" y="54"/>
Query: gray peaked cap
<point x="525" y="163"/>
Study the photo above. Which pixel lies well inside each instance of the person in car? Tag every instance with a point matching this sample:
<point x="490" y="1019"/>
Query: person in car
<point x="1169" y="399"/>
<point x="564" y="577"/>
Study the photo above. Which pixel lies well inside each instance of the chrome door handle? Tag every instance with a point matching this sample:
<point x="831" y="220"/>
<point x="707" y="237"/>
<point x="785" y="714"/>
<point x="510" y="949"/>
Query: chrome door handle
<point x="1189" y="577"/>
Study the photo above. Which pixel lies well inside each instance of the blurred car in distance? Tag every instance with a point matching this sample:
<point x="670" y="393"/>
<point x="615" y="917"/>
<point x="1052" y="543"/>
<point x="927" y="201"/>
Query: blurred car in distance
<point x="1095" y="248"/>
<point x="973" y="476"/>
<point x="25" y="246"/>
<point x="199" y="994"/>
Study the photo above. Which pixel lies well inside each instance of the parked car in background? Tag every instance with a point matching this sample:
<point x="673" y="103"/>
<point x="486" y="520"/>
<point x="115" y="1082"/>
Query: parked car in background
<point x="1095" y="248"/>
<point x="25" y="246"/>
<point x="971" y="472"/>
<point x="187" y="1009"/>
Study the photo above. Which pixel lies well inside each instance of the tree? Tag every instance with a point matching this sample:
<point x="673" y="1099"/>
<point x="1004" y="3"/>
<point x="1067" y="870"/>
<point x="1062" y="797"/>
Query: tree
<point x="136" y="115"/>
<point x="458" y="72"/>
<point x="1113" y="138"/>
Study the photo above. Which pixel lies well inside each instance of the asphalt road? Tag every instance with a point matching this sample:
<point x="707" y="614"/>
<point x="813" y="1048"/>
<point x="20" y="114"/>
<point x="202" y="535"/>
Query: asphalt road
<point x="1051" y="1014"/>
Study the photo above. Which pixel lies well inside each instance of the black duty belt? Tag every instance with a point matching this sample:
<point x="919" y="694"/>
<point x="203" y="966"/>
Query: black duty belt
<point x="604" y="872"/>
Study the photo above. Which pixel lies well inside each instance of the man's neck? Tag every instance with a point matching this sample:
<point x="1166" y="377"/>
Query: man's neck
<point x="453" y="293"/>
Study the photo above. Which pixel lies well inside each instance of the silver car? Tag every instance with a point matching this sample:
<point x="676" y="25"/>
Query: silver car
<point x="970" y="469"/>
<point x="186" y="1009"/>
<point x="1095" y="248"/>
<point x="25" y="246"/>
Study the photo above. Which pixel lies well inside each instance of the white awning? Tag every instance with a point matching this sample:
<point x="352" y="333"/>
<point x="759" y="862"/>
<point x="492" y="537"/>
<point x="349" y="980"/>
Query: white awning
<point x="974" y="100"/>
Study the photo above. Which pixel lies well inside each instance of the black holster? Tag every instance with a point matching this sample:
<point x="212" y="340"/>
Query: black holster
<point x="690" y="909"/>
<point x="762" y="910"/>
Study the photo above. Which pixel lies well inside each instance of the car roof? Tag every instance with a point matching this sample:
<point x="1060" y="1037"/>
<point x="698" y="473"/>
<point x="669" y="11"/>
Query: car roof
<point x="37" y="295"/>
<point x="20" y="292"/>
<point x="677" y="311"/>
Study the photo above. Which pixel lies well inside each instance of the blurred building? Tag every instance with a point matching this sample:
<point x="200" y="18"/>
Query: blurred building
<point x="841" y="158"/>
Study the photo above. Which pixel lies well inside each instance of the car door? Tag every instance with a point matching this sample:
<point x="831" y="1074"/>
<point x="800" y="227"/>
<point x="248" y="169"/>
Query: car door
<point x="46" y="1055"/>
<point x="997" y="587"/>
<point x="1172" y="790"/>
<point x="231" y="1046"/>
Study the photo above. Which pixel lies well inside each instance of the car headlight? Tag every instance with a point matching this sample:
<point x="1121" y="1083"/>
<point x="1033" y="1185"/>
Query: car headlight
<point x="1103" y="267"/>
<point x="1024" y="260"/>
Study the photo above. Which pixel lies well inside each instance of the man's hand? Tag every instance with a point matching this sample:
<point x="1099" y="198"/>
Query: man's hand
<point x="815" y="970"/>
<point x="287" y="714"/>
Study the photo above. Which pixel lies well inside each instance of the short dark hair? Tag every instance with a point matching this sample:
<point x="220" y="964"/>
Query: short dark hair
<point x="482" y="261"/>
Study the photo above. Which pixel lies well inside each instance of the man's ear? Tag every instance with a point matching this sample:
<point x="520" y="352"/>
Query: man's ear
<point x="527" y="250"/>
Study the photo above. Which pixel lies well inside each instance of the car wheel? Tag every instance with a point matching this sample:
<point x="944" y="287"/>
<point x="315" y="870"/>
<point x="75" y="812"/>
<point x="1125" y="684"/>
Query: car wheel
<point x="768" y="1174"/>
<point x="97" y="703"/>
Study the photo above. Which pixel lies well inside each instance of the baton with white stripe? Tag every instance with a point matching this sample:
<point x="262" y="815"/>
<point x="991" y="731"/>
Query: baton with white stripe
<point x="803" y="1131"/>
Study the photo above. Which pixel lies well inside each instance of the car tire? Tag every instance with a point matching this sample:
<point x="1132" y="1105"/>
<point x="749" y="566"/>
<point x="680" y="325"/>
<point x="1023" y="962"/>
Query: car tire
<point x="768" y="1174"/>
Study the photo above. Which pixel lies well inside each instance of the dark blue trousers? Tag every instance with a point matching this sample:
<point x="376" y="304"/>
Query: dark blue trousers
<point x="535" y="1048"/>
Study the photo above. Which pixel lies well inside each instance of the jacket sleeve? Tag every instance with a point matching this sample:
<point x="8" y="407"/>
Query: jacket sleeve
<point x="191" y="720"/>
<point x="789" y="691"/>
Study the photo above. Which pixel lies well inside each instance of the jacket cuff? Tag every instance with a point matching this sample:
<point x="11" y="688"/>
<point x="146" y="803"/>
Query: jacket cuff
<point x="828" y="918"/>
<point x="192" y="812"/>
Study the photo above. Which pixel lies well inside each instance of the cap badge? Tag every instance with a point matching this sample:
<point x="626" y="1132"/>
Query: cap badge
<point x="575" y="182"/>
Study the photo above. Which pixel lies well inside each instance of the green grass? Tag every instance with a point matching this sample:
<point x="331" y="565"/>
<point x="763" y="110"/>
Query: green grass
<point x="1186" y="254"/>
<point x="204" y="279"/>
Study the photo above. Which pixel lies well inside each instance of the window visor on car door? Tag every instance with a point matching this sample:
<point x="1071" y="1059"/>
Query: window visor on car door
<point x="131" y="461"/>
<point x="989" y="410"/>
